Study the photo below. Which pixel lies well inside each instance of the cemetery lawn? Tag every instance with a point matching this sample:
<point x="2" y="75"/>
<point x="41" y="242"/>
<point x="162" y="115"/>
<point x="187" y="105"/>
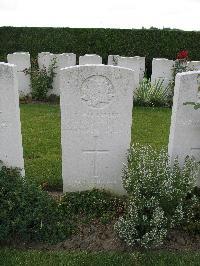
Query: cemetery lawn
<point x="42" y="140"/>
<point x="42" y="258"/>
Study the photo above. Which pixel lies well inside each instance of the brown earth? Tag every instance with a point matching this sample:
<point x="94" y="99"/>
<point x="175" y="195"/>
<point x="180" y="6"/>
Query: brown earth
<point x="99" y="237"/>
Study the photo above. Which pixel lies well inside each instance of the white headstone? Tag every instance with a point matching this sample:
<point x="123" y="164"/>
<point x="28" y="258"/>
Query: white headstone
<point x="45" y="59"/>
<point x="193" y="65"/>
<point x="22" y="61"/>
<point x="11" y="151"/>
<point x="62" y="61"/>
<point x="162" y="69"/>
<point x="184" y="136"/>
<point x="131" y="63"/>
<point x="90" y="59"/>
<point x="142" y="66"/>
<point x="135" y="63"/>
<point x="96" y="118"/>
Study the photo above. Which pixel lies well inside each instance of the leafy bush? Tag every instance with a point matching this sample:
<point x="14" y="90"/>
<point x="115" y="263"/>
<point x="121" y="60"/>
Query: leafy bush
<point x="157" y="194"/>
<point x="28" y="212"/>
<point x="92" y="204"/>
<point x="193" y="224"/>
<point x="41" y="80"/>
<point x="151" y="94"/>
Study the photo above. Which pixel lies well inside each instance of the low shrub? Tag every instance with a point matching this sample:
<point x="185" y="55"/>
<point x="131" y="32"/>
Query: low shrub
<point x="93" y="204"/>
<point x="149" y="94"/>
<point x="27" y="212"/>
<point x="157" y="193"/>
<point x="193" y="224"/>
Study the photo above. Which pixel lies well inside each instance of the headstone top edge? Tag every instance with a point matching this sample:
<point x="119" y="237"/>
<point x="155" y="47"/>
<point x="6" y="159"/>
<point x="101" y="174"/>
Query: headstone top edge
<point x="7" y="64"/>
<point x="88" y="66"/>
<point x="162" y="59"/>
<point x="19" y="53"/>
<point x="188" y="73"/>
<point x="90" y="55"/>
<point x="66" y="54"/>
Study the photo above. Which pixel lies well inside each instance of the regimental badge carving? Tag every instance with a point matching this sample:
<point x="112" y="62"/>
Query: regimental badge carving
<point x="97" y="91"/>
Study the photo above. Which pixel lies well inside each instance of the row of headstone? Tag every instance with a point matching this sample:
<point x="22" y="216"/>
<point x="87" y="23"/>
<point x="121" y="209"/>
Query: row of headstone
<point x="135" y="63"/>
<point x="162" y="69"/>
<point x="184" y="139"/>
<point x="96" y="136"/>
<point x="45" y="60"/>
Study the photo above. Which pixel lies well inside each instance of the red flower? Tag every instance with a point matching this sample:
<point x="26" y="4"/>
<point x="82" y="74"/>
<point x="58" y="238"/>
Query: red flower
<point x="182" y="54"/>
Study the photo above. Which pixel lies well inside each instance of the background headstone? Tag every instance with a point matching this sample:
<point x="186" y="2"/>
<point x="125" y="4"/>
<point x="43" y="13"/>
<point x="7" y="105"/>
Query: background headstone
<point x="11" y="151"/>
<point x="162" y="69"/>
<point x="184" y="136"/>
<point x="131" y="63"/>
<point x="142" y="66"/>
<point x="90" y="59"/>
<point x="193" y="65"/>
<point x="62" y="61"/>
<point x="45" y="59"/>
<point x="96" y="118"/>
<point x="22" y="61"/>
<point x="136" y="63"/>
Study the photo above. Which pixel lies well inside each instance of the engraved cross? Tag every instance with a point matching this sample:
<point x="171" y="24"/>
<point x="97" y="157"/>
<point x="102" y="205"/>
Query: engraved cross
<point x="95" y="153"/>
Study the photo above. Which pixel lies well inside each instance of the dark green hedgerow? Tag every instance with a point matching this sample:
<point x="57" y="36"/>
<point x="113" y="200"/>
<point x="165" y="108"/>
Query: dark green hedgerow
<point x="130" y="42"/>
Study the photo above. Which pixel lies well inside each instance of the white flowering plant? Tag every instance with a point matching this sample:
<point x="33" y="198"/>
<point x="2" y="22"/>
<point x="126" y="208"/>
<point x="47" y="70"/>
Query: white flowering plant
<point x="157" y="193"/>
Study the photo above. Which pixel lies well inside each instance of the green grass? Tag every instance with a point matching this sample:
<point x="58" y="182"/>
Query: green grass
<point x="42" y="141"/>
<point x="10" y="257"/>
<point x="151" y="126"/>
<point x="42" y="152"/>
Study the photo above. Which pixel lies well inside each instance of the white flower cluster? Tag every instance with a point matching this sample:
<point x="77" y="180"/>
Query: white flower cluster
<point x="157" y="192"/>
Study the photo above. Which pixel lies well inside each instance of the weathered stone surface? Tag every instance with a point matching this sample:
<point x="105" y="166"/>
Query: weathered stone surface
<point x="62" y="61"/>
<point x="131" y="63"/>
<point x="22" y="61"/>
<point x="184" y="136"/>
<point x="90" y="59"/>
<point x="193" y="65"/>
<point x="96" y="118"/>
<point x="162" y="69"/>
<point x="135" y="63"/>
<point x="142" y="66"/>
<point x="45" y="59"/>
<point x="11" y="151"/>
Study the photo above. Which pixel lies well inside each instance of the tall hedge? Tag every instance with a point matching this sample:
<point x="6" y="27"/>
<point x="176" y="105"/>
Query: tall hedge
<point x="150" y="43"/>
